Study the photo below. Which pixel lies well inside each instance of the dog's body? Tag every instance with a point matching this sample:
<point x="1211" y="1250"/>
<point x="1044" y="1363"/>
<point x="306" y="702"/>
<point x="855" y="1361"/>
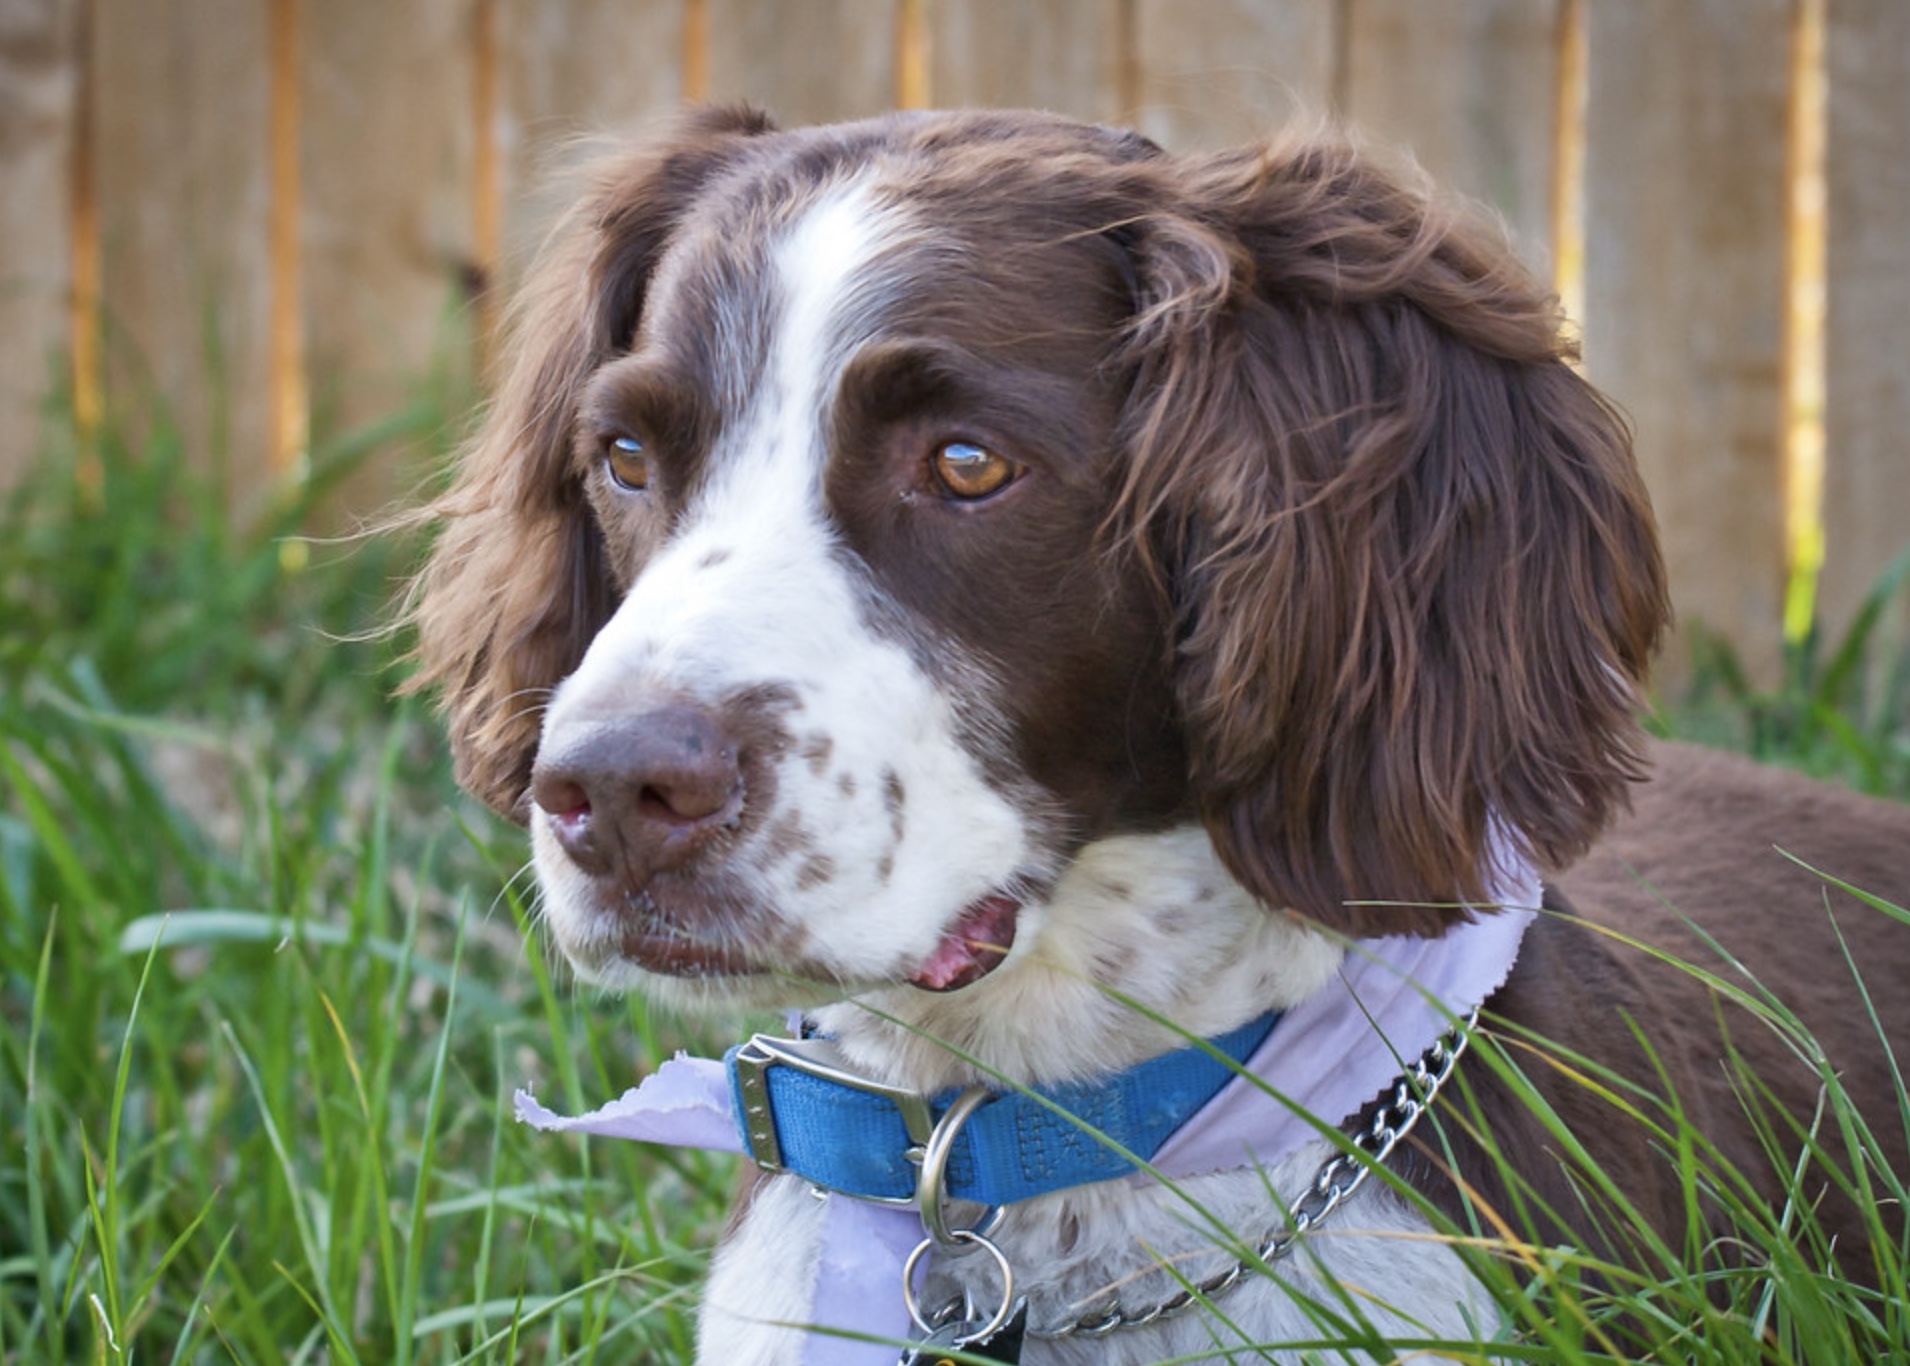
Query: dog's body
<point x="1000" y="588"/>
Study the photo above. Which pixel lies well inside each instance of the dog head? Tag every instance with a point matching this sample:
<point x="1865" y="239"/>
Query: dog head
<point x="871" y="519"/>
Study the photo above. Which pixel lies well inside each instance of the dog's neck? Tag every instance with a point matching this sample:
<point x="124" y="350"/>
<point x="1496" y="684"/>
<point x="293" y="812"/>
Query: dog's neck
<point x="1145" y="940"/>
<point x="1077" y="1000"/>
<point x="1118" y="948"/>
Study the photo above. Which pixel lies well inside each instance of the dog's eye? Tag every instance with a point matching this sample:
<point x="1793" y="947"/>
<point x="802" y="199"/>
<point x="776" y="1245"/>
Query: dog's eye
<point x="968" y="471"/>
<point x="629" y="467"/>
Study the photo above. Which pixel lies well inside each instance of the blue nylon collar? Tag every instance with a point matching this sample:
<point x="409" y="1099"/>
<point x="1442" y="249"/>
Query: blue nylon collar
<point x="855" y="1138"/>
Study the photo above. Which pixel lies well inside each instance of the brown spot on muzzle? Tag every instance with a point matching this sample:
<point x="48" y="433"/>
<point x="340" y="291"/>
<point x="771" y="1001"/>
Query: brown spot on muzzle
<point x="894" y="801"/>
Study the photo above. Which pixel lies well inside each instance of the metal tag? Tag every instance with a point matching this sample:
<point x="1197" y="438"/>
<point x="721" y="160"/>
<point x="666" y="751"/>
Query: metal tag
<point x="965" y="1335"/>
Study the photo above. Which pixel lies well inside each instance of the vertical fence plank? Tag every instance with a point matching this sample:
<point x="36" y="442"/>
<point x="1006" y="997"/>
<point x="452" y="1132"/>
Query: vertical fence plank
<point x="1684" y="185"/>
<point x="181" y="91"/>
<point x="1064" y="56"/>
<point x="806" y="61"/>
<point x="39" y="74"/>
<point x="1212" y="73"/>
<point x="289" y="406"/>
<point x="571" y="72"/>
<point x="388" y="253"/>
<point x="1684" y="284"/>
<point x="1470" y="88"/>
<point x="1867" y="336"/>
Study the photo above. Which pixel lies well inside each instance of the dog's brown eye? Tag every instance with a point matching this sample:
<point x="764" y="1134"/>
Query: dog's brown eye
<point x="629" y="467"/>
<point x="970" y="471"/>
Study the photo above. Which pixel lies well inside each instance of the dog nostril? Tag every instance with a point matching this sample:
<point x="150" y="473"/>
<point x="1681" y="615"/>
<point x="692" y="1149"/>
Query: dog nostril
<point x="680" y="805"/>
<point x="560" y="796"/>
<point x="635" y="795"/>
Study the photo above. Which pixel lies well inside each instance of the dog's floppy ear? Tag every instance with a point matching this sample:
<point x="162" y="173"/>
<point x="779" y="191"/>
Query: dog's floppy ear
<point x="1415" y="570"/>
<point x="519" y="580"/>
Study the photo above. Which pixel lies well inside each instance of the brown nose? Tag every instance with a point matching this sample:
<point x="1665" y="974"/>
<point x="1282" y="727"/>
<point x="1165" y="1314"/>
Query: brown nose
<point x="635" y="796"/>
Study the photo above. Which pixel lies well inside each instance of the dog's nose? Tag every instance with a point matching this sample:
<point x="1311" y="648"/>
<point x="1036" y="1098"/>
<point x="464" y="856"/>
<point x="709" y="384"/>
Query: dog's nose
<point x="638" y="795"/>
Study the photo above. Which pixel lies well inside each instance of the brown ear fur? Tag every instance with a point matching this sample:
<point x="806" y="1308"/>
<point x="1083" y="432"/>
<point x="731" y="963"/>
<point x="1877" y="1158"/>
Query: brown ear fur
<point x="1416" y="571"/>
<point x="519" y="582"/>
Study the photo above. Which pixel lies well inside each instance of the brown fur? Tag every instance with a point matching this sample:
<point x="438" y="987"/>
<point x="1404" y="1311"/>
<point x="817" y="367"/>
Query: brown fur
<point x="520" y="579"/>
<point x="1416" y="567"/>
<point x="1705" y="868"/>
<point x="1333" y="550"/>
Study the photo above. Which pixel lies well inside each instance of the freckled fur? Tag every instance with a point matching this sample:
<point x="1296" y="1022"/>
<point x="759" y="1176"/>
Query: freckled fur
<point x="1323" y="559"/>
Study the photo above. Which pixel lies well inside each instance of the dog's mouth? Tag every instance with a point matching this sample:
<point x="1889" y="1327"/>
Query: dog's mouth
<point x="654" y="936"/>
<point x="973" y="946"/>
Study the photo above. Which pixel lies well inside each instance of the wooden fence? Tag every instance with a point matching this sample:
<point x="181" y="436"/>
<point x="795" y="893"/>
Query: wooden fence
<point x="266" y="210"/>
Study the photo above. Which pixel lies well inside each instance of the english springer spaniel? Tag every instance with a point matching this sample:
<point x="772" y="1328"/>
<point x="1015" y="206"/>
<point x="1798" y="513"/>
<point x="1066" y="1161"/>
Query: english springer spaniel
<point x="1116" y="641"/>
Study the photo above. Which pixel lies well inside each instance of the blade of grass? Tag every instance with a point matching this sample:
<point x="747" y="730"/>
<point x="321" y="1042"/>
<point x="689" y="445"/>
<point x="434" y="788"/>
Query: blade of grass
<point x="318" y="1294"/>
<point x="434" y="1104"/>
<point x="104" y="1199"/>
<point x="50" y="1311"/>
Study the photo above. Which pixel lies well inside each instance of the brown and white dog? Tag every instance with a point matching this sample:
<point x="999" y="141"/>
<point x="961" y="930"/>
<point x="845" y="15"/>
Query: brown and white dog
<point x="998" y="586"/>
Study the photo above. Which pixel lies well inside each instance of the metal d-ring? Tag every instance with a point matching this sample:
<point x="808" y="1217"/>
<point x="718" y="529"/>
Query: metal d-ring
<point x="930" y="1188"/>
<point x="963" y="1238"/>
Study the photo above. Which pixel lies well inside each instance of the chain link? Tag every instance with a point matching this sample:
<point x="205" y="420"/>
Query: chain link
<point x="1394" y="1112"/>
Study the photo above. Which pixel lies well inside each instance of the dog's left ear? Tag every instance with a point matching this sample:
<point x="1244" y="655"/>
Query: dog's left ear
<point x="1415" y="569"/>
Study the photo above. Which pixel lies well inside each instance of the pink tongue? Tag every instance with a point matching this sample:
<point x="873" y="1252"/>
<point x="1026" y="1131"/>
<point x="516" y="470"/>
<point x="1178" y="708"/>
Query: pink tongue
<point x="973" y="948"/>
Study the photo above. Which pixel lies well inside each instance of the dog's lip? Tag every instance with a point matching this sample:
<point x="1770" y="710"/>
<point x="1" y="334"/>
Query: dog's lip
<point x="678" y="956"/>
<point x="702" y="933"/>
<point x="659" y="940"/>
<point x="974" y="946"/>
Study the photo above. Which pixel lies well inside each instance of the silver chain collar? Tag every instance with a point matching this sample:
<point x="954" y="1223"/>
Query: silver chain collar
<point x="1394" y="1112"/>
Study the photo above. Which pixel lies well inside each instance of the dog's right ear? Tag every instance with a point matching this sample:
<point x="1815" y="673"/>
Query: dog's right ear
<point x="519" y="580"/>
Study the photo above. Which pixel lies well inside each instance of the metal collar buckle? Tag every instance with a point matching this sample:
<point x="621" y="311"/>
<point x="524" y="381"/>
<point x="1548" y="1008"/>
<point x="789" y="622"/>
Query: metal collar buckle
<point x="823" y="1059"/>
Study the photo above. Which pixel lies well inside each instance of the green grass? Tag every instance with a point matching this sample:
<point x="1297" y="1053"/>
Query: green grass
<point x="267" y="980"/>
<point x="264" y="979"/>
<point x="1840" y="709"/>
<point x="1774" y="1291"/>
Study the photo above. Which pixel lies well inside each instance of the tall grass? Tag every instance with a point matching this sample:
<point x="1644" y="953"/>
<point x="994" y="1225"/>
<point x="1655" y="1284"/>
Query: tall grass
<point x="1756" y="1282"/>
<point x="266" y="979"/>
<point x="1840" y="708"/>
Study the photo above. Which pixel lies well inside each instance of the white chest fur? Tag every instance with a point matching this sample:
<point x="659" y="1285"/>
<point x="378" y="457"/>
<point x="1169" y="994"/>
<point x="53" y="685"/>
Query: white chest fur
<point x="1375" y="1266"/>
